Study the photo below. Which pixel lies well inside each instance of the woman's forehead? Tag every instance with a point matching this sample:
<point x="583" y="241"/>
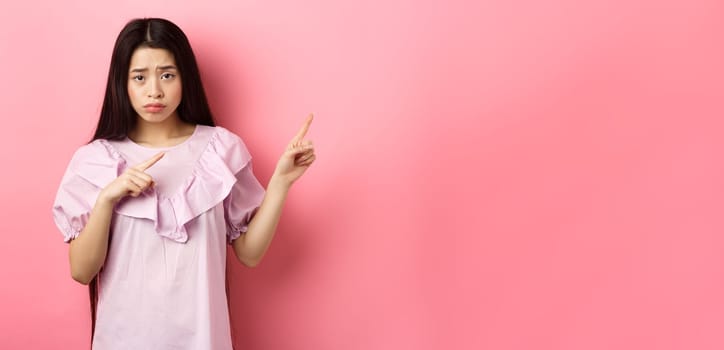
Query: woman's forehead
<point x="151" y="58"/>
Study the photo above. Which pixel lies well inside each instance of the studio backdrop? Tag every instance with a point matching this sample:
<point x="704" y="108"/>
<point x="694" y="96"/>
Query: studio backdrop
<point x="490" y="174"/>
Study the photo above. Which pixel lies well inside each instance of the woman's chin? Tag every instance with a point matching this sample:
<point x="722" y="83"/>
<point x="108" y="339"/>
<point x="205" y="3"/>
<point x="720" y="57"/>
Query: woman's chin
<point x="154" y="117"/>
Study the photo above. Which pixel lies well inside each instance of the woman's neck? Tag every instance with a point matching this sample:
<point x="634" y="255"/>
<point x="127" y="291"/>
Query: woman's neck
<point x="167" y="133"/>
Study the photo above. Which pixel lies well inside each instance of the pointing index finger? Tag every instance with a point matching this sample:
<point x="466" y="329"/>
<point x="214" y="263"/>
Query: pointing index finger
<point x="304" y="129"/>
<point x="150" y="161"/>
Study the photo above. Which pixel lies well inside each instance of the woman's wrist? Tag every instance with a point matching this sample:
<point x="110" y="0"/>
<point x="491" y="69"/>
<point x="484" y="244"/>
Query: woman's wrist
<point x="105" y="199"/>
<point x="278" y="183"/>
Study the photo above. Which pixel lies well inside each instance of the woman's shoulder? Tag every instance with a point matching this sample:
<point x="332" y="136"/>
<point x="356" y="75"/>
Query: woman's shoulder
<point x="223" y="133"/>
<point x="96" y="162"/>
<point x="229" y="147"/>
<point x="96" y="151"/>
<point x="225" y="139"/>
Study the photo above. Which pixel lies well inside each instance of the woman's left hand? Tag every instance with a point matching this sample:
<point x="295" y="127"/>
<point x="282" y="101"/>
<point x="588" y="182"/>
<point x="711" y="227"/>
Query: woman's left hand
<point x="298" y="156"/>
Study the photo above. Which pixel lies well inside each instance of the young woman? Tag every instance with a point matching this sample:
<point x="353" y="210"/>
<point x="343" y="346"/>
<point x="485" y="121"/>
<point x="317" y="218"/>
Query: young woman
<point x="150" y="203"/>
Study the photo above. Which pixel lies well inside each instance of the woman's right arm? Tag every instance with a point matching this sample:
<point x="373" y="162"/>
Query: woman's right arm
<point x="88" y="250"/>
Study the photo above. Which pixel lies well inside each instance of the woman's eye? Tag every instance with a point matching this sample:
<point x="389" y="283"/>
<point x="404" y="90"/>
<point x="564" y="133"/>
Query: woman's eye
<point x="167" y="76"/>
<point x="138" y="78"/>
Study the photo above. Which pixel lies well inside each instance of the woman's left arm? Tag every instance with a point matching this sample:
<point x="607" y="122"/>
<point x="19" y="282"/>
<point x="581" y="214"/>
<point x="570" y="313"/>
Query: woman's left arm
<point x="251" y="246"/>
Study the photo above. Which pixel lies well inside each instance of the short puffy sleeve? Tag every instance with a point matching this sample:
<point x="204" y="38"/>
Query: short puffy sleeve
<point x="243" y="202"/>
<point x="247" y="193"/>
<point x="88" y="171"/>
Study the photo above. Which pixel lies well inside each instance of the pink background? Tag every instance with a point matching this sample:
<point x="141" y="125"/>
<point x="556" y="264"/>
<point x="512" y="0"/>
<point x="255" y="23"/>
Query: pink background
<point x="490" y="175"/>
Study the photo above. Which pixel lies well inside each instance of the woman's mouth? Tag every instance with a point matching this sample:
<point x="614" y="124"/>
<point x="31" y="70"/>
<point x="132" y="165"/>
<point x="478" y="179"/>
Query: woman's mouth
<point x="153" y="107"/>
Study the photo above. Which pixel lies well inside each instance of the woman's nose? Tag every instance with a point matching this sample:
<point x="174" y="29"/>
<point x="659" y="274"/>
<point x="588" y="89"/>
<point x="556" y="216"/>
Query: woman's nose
<point x="155" y="90"/>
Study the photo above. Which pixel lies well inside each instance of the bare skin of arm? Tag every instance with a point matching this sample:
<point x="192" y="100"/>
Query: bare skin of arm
<point x="251" y="246"/>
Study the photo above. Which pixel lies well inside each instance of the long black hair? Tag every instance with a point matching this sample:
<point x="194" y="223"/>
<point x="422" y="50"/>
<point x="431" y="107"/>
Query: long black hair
<point x="117" y="114"/>
<point x="118" y="117"/>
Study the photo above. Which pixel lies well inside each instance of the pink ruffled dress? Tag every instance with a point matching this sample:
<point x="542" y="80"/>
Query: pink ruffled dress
<point x="163" y="283"/>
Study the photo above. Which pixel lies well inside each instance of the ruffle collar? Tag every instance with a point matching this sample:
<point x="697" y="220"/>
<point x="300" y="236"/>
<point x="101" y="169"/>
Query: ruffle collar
<point x="211" y="180"/>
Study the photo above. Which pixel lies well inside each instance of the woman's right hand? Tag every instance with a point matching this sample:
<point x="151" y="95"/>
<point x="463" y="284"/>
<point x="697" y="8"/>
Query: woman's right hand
<point x="132" y="182"/>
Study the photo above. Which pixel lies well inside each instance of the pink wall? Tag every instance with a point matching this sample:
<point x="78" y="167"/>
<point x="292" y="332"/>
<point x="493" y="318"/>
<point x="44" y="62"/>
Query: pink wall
<point x="490" y="175"/>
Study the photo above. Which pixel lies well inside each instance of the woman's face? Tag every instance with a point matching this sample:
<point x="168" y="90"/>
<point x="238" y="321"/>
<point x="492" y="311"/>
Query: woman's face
<point x="154" y="84"/>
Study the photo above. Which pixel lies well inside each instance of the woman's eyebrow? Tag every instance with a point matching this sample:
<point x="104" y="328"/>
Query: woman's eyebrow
<point x="169" y="67"/>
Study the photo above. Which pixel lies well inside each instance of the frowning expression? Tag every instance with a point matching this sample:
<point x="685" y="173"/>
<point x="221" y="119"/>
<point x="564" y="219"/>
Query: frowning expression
<point x="154" y="84"/>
